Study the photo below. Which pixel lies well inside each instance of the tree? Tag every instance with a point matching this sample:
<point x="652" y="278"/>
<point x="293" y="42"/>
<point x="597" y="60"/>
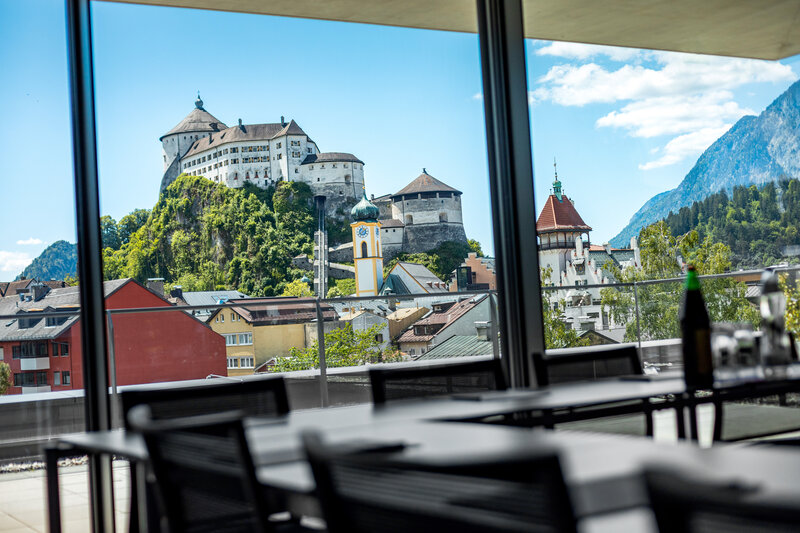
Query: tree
<point x="342" y="288"/>
<point x="557" y="333"/>
<point x="475" y="246"/>
<point x="658" y="304"/>
<point x="130" y="224"/>
<point x="297" y="288"/>
<point x="109" y="232"/>
<point x="344" y="346"/>
<point x="5" y="377"/>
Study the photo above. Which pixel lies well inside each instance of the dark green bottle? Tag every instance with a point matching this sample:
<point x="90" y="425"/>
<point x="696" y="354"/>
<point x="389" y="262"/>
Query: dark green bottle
<point x="698" y="369"/>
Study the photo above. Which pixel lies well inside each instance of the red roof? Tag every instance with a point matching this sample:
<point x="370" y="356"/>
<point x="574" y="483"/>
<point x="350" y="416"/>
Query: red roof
<point x="560" y="215"/>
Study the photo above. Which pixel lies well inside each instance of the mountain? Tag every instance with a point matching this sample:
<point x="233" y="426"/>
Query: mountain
<point x="57" y="261"/>
<point x="755" y="151"/>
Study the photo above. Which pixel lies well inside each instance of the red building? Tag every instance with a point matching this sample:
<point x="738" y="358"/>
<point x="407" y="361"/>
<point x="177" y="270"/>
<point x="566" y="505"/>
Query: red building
<point x="45" y="353"/>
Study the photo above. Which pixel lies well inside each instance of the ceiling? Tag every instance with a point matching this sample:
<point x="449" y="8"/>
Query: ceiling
<point x="764" y="29"/>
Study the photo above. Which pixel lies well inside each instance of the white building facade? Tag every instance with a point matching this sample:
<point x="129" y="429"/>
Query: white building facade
<point x="259" y="154"/>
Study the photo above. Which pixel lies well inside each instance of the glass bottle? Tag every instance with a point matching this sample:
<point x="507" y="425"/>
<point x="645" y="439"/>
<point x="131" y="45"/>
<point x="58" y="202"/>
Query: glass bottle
<point x="698" y="369"/>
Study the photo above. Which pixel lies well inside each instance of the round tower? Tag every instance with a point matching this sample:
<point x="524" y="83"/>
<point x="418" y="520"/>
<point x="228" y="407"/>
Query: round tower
<point x="177" y="141"/>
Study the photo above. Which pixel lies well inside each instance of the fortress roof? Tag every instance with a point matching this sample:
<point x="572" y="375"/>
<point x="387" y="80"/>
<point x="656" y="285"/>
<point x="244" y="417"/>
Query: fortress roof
<point x="560" y="215"/>
<point x="199" y="120"/>
<point x="245" y="132"/>
<point x="425" y="183"/>
<point x="332" y="157"/>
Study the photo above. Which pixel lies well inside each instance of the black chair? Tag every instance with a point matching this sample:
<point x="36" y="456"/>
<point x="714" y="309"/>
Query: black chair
<point x="587" y="365"/>
<point x="683" y="505"/>
<point x="390" y="384"/>
<point x="261" y="397"/>
<point x="205" y="474"/>
<point x="592" y="364"/>
<point x="374" y="493"/>
<point x="257" y="397"/>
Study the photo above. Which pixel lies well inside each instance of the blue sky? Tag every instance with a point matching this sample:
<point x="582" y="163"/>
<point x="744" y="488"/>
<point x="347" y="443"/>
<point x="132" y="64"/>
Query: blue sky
<point x="623" y="124"/>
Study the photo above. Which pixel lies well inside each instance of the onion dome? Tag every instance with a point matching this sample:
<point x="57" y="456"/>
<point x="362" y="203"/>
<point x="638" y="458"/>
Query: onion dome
<point x="365" y="210"/>
<point x="199" y="102"/>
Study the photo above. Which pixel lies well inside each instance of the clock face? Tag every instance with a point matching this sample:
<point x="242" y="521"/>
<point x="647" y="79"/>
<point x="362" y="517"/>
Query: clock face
<point x="362" y="232"/>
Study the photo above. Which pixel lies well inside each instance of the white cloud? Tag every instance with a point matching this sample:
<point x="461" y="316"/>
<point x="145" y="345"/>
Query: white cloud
<point x="675" y="115"/>
<point x="13" y="262"/>
<point x="29" y="241"/>
<point x="477" y="96"/>
<point x="681" y="95"/>
<point x="686" y="145"/>
<point x="585" y="51"/>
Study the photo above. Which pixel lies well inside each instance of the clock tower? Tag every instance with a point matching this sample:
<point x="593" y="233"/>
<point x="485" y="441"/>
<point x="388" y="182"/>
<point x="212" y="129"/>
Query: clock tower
<point x="367" y="248"/>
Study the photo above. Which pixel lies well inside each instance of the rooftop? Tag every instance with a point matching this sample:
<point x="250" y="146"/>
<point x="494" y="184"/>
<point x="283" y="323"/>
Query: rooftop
<point x="560" y="215"/>
<point x="426" y="183"/>
<point x="245" y="132"/>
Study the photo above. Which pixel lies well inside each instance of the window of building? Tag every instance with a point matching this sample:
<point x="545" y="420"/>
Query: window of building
<point x="280" y="156"/>
<point x="363" y="249"/>
<point x="233" y="316"/>
<point x="247" y="362"/>
<point x="278" y="145"/>
<point x="56" y="378"/>
<point x="233" y="362"/>
<point x="379" y="337"/>
<point x="65" y="377"/>
<point x="297" y="171"/>
<point x="409" y="220"/>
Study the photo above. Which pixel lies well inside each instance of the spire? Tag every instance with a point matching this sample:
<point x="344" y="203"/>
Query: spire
<point x="424" y="171"/>
<point x="199" y="102"/>
<point x="556" y="183"/>
<point x="365" y="210"/>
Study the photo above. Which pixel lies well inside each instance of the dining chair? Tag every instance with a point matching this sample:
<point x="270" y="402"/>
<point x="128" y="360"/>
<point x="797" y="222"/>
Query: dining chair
<point x="376" y="493"/>
<point x="253" y="397"/>
<point x="591" y="364"/>
<point x="256" y="397"/>
<point x="205" y="474"/>
<point x="587" y="365"/>
<point x="389" y="384"/>
<point x="683" y="504"/>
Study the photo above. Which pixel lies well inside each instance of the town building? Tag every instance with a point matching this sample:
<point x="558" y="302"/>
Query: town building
<point x="446" y="319"/>
<point x="45" y="354"/>
<point x="474" y="274"/>
<point x="568" y="261"/>
<point x="364" y="319"/>
<point x="260" y="154"/>
<point x="261" y="330"/>
<point x="463" y="345"/>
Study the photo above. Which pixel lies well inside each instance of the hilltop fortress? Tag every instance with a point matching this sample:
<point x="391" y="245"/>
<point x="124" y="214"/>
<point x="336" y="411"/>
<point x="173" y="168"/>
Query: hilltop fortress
<point x="417" y="218"/>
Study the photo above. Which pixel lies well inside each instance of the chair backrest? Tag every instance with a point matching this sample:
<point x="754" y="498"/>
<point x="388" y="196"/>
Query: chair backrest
<point x="435" y="380"/>
<point x="587" y="365"/>
<point x="258" y="397"/>
<point x="204" y="472"/>
<point x="374" y="493"/>
<point x="684" y="505"/>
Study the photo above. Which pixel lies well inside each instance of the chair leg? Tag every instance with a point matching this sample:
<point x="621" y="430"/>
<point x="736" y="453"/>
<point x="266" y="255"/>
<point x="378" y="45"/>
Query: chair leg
<point x="718" y="415"/>
<point x="648" y="419"/>
<point x="53" y="495"/>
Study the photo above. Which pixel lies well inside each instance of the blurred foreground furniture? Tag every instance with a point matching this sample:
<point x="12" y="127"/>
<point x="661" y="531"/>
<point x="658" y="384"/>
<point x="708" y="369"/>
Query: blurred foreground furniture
<point x="592" y="364"/>
<point x="390" y="384"/>
<point x="366" y="492"/>
<point x="255" y="397"/>
<point x="205" y="473"/>
<point x="684" y="505"/>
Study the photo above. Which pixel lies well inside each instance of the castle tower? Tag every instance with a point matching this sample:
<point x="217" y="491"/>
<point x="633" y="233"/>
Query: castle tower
<point x="559" y="226"/>
<point x="367" y="248"/>
<point x="177" y="141"/>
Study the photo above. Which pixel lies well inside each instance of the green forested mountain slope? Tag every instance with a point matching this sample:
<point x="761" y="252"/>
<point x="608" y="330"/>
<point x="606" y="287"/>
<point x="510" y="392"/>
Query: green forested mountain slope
<point x="57" y="261"/>
<point x="761" y="226"/>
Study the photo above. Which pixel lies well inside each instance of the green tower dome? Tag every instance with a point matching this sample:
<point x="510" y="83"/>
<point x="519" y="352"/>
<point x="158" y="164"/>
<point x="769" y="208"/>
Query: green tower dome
<point x="365" y="210"/>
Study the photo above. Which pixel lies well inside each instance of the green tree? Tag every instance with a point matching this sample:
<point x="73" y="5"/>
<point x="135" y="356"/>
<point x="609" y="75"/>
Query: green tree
<point x="109" y="232"/>
<point x="297" y="288"/>
<point x="441" y="260"/>
<point x="130" y="224"/>
<point x="342" y="288"/>
<point x="659" y="303"/>
<point x="5" y="377"/>
<point x="344" y="346"/>
<point x="475" y="246"/>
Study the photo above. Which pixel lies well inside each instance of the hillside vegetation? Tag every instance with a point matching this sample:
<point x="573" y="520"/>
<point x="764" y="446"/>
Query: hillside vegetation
<point x="761" y="226"/>
<point x="206" y="236"/>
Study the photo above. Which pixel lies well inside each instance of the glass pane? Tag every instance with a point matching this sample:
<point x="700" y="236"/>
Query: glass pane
<point x="268" y="192"/>
<point x="648" y="161"/>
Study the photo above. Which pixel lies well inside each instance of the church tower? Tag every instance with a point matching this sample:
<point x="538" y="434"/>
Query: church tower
<point x="367" y="248"/>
